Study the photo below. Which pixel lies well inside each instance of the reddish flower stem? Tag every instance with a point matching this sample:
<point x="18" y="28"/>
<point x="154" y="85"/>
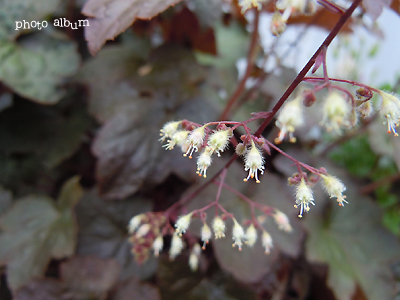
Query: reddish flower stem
<point x="308" y="66"/>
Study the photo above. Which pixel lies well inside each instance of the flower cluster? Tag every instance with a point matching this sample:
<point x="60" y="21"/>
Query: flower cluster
<point x="207" y="141"/>
<point x="304" y="194"/>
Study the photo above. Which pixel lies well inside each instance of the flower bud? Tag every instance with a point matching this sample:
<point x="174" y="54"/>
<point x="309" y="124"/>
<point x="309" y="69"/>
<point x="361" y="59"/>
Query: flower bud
<point x="182" y="224"/>
<point x="237" y="235"/>
<point x="203" y="162"/>
<point x="309" y="99"/>
<point x="176" y="246"/>
<point x="365" y="109"/>
<point x="251" y="235"/>
<point x="304" y="197"/>
<point x="254" y="162"/>
<point x="169" y="129"/>
<point x="240" y="149"/>
<point x="390" y="110"/>
<point x="218" y="227"/>
<point x="158" y="245"/>
<point x="205" y="235"/>
<point x="266" y="242"/>
<point x="219" y="140"/>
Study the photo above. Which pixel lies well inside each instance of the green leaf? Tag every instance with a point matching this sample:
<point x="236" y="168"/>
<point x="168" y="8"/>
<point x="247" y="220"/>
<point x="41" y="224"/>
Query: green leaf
<point x="20" y="10"/>
<point x="34" y="231"/>
<point x="112" y="17"/>
<point x="36" y="66"/>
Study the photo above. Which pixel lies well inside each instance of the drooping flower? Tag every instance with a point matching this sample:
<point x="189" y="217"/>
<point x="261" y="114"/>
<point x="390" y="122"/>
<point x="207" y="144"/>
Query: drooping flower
<point x="204" y="162"/>
<point x="251" y="235"/>
<point x="334" y="187"/>
<point x="205" y="235"/>
<point x="176" y="246"/>
<point x="134" y="223"/>
<point x="282" y="221"/>
<point x="238" y="235"/>
<point x="266" y="242"/>
<point x="218" y="227"/>
<point x="390" y="110"/>
<point x="296" y="7"/>
<point x="169" y="129"/>
<point x="219" y="140"/>
<point x="182" y="224"/>
<point x="158" y="245"/>
<point x="195" y="140"/>
<point x="254" y="162"/>
<point x="246" y="4"/>
<point x="336" y="112"/>
<point x="194" y="257"/>
<point x="365" y="109"/>
<point x="178" y="138"/>
<point x="304" y="197"/>
<point x="290" y="118"/>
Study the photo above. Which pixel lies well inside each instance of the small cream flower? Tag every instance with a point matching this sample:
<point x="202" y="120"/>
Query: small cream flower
<point x="237" y="235"/>
<point x="158" y="245"/>
<point x="336" y="112"/>
<point x="204" y="162"/>
<point x="219" y="140"/>
<point x="266" y="242"/>
<point x="290" y="118"/>
<point x="205" y="235"/>
<point x="134" y="223"/>
<point x="176" y="246"/>
<point x="254" y="162"/>
<point x="304" y="197"/>
<point x="365" y="109"/>
<point x="334" y="187"/>
<point x="182" y="224"/>
<point x="169" y="129"/>
<point x="178" y="138"/>
<point x="194" y="257"/>
<point x="251" y="235"/>
<point x="390" y="110"/>
<point x="195" y="140"/>
<point x="218" y="227"/>
<point x="246" y="4"/>
<point x="282" y="221"/>
<point x="296" y="7"/>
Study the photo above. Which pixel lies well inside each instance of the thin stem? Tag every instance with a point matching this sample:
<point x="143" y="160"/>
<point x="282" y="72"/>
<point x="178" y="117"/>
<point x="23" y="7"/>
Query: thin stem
<point x="352" y="82"/>
<point x="249" y="68"/>
<point x="308" y="66"/>
<point x="369" y="188"/>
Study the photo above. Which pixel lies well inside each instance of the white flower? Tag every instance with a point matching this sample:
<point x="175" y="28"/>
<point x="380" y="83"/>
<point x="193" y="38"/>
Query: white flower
<point x="195" y="140"/>
<point x="253" y="162"/>
<point x="237" y="235"/>
<point x="178" y="138"/>
<point x="219" y="140"/>
<point x="218" y="227"/>
<point x="304" y="197"/>
<point x="158" y="245"/>
<point x="282" y="221"/>
<point x="176" y="246"/>
<point x="134" y="223"/>
<point x="390" y="109"/>
<point x="365" y="109"/>
<point x="194" y="257"/>
<point x="334" y="187"/>
<point x="205" y="235"/>
<point x="336" y="112"/>
<point x="290" y="117"/>
<point x="295" y="7"/>
<point x="266" y="242"/>
<point x="204" y="162"/>
<point x="182" y="224"/>
<point x="169" y="129"/>
<point x="251" y="235"/>
<point x="246" y="4"/>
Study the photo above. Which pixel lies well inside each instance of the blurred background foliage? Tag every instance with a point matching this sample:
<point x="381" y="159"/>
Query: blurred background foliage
<point x="79" y="156"/>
